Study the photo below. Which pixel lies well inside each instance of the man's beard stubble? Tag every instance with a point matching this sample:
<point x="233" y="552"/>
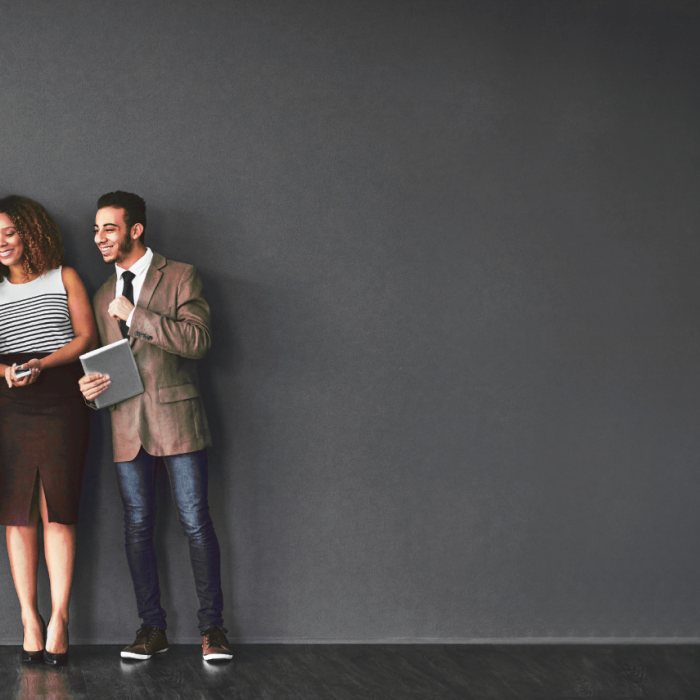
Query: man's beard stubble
<point x="123" y="250"/>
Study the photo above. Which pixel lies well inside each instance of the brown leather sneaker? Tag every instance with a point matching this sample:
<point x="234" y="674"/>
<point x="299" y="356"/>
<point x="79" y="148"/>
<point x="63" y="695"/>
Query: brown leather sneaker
<point x="214" y="644"/>
<point x="149" y="641"/>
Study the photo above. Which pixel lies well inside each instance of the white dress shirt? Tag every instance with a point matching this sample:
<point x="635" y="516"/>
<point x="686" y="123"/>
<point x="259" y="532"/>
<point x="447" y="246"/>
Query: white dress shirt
<point x="139" y="268"/>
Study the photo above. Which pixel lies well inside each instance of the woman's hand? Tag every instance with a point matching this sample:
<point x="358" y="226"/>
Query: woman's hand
<point x="12" y="380"/>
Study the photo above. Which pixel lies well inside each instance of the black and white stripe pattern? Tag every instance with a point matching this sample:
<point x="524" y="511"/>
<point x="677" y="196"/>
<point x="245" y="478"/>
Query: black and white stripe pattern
<point x="34" y="317"/>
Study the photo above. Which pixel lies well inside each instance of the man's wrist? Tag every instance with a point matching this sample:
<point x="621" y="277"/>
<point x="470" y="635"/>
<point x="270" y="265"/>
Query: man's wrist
<point x="130" y="317"/>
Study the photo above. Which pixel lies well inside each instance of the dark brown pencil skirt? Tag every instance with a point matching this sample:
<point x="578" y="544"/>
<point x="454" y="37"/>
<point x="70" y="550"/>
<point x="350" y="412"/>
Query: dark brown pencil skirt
<point x="44" y="430"/>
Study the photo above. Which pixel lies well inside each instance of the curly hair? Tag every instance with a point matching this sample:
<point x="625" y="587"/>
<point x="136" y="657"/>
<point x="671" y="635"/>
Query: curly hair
<point x="43" y="247"/>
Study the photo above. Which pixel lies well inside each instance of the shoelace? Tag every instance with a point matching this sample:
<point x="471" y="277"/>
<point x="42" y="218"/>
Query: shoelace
<point x="216" y="636"/>
<point x="145" y="632"/>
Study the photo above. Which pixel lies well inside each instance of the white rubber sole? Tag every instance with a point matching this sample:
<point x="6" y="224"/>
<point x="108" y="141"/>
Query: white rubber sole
<point x="214" y="657"/>
<point x="143" y="657"/>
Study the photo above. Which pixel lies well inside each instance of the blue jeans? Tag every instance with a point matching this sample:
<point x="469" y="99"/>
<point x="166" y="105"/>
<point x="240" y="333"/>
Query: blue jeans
<point x="188" y="481"/>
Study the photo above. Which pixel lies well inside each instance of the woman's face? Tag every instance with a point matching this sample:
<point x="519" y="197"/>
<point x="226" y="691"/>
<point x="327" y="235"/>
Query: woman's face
<point x="11" y="246"/>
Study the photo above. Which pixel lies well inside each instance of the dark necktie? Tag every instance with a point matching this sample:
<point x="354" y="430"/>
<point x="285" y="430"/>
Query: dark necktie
<point x="128" y="292"/>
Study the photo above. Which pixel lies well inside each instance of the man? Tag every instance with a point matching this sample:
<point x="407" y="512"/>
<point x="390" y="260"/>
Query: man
<point x="158" y="304"/>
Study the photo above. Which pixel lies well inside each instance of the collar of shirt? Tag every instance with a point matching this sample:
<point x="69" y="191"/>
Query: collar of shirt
<point x="139" y="267"/>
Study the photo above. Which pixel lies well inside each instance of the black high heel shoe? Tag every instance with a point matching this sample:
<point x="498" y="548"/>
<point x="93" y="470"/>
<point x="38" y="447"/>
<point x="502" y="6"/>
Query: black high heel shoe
<point x="35" y="657"/>
<point x="56" y="659"/>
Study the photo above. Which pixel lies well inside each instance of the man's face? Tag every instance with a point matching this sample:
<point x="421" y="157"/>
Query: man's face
<point x="111" y="235"/>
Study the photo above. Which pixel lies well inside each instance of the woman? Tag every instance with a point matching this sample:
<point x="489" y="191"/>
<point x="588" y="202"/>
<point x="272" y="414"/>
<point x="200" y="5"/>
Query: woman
<point x="46" y="322"/>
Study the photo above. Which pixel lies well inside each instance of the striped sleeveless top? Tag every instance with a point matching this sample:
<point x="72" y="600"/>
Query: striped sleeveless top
<point x="34" y="316"/>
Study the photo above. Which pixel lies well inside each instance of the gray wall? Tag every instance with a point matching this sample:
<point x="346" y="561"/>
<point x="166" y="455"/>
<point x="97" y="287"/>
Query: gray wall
<point x="452" y="253"/>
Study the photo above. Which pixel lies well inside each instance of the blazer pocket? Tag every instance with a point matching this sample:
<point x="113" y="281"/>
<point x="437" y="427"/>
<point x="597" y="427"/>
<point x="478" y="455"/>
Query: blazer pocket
<point x="169" y="394"/>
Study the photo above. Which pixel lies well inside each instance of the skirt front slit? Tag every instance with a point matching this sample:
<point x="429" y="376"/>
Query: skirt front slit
<point x="44" y="430"/>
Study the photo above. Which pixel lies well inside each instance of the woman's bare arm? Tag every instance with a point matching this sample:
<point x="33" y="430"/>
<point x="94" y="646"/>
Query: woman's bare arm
<point x="82" y="320"/>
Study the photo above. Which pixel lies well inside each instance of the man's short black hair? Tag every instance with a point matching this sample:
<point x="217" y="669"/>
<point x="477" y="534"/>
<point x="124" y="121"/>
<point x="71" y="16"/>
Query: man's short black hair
<point x="134" y="208"/>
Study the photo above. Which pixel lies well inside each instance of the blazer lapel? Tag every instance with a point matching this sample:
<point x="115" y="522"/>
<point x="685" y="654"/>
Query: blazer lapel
<point x="149" y="284"/>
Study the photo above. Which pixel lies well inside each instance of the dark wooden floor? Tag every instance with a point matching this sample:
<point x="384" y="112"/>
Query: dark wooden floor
<point x="376" y="672"/>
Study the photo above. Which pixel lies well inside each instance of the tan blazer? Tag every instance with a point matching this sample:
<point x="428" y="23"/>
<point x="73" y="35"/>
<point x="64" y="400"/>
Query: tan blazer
<point x="169" y="332"/>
